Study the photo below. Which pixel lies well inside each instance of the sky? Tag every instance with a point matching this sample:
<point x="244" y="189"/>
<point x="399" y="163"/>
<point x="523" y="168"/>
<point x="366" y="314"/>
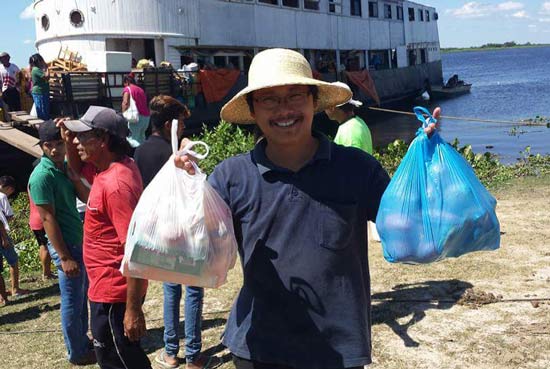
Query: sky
<point x="461" y="24"/>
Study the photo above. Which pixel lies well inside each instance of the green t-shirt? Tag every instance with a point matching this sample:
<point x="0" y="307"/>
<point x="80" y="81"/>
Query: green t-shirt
<point x="355" y="133"/>
<point x="39" y="83"/>
<point x="51" y="186"/>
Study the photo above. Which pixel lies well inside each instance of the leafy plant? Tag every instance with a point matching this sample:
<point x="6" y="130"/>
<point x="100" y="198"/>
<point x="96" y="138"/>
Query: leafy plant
<point x="225" y="140"/>
<point x="22" y="236"/>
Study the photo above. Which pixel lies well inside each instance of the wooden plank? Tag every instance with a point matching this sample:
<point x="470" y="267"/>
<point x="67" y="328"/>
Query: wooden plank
<point x="23" y="118"/>
<point x="22" y="141"/>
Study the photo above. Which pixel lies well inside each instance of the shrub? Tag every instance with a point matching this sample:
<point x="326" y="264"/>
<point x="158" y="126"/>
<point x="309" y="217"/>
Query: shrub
<point x="225" y="140"/>
<point x="23" y="238"/>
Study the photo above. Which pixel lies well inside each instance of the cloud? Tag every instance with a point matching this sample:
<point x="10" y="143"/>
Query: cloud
<point x="473" y="9"/>
<point x="470" y="10"/>
<point x="532" y="26"/>
<point x="509" y="5"/>
<point x="28" y="13"/>
<point x="545" y="8"/>
<point x="520" y="14"/>
<point x="26" y="42"/>
<point x="544" y="20"/>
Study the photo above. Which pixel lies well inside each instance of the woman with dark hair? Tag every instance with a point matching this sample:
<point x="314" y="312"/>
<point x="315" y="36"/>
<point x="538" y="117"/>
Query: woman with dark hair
<point x="40" y="86"/>
<point x="134" y="92"/>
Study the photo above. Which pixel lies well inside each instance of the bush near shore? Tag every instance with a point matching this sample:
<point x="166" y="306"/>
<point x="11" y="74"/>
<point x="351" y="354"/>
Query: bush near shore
<point x="227" y="140"/>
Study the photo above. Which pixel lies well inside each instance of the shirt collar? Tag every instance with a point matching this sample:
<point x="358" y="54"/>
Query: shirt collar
<point x="48" y="163"/>
<point x="265" y="165"/>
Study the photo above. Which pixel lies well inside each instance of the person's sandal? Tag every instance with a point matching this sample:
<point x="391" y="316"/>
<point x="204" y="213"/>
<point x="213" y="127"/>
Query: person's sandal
<point x="160" y="359"/>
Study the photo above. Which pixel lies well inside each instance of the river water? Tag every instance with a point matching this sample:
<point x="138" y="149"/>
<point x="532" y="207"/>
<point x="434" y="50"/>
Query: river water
<point x="510" y="84"/>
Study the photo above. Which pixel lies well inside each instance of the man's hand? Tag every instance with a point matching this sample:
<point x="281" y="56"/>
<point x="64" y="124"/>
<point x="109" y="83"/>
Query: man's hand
<point x="66" y="135"/>
<point x="70" y="267"/>
<point x="134" y="324"/>
<point x="432" y="127"/>
<point x="184" y="162"/>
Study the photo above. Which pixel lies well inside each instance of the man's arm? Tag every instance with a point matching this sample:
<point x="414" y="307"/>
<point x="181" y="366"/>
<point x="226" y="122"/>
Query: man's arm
<point x="68" y="264"/>
<point x="3" y="235"/>
<point x="82" y="191"/>
<point x="73" y="159"/>
<point x="134" y="320"/>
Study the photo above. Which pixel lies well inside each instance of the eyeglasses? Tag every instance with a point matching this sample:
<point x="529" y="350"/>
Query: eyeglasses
<point x="87" y="135"/>
<point x="296" y="99"/>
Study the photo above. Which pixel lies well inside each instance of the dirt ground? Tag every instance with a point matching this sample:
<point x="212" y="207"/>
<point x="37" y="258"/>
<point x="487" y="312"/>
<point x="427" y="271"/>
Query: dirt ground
<point x="482" y="310"/>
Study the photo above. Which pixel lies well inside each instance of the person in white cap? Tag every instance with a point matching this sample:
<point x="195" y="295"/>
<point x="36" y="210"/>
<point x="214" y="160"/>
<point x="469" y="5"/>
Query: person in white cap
<point x="353" y="131"/>
<point x="300" y="206"/>
<point x="9" y="77"/>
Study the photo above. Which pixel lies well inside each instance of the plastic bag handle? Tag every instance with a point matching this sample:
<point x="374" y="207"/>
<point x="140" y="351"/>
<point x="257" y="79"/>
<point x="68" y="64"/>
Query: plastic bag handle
<point x="421" y="112"/>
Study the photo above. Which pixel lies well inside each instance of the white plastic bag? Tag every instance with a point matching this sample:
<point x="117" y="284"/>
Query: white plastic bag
<point x="131" y="114"/>
<point x="181" y="230"/>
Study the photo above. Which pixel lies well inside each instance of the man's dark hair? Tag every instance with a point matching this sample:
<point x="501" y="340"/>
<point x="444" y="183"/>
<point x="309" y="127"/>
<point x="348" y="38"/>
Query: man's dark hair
<point x="9" y="181"/>
<point x="118" y="145"/>
<point x="165" y="108"/>
<point x="313" y="90"/>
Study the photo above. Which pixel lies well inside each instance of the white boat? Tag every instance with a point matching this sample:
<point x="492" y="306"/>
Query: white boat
<point x="391" y="47"/>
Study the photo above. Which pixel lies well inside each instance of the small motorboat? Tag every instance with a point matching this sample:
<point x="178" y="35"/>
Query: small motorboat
<point x="445" y="92"/>
<point x="453" y="87"/>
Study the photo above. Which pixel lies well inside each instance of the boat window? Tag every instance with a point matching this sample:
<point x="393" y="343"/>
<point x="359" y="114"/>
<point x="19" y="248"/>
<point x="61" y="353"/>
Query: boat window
<point x="420" y="15"/>
<point x="373" y="9"/>
<point x="45" y="21"/>
<point x="272" y="2"/>
<point x="436" y="16"/>
<point x="77" y="18"/>
<point x="427" y="15"/>
<point x="387" y="11"/>
<point x="400" y="12"/>
<point x="291" y="3"/>
<point x="411" y="14"/>
<point x="311" y="4"/>
<point x="335" y="6"/>
<point x="355" y="7"/>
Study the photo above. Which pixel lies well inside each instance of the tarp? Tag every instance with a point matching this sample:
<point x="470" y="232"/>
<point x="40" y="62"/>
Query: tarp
<point x="364" y="81"/>
<point x="217" y="83"/>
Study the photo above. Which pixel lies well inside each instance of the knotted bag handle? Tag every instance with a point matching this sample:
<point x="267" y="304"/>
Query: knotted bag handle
<point x="187" y="149"/>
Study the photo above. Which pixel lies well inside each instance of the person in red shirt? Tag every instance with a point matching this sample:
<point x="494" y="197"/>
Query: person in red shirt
<point x="117" y="319"/>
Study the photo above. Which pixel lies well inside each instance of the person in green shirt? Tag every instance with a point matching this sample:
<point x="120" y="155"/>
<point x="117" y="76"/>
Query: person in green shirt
<point x="53" y="188"/>
<point x="40" y="86"/>
<point x="353" y="131"/>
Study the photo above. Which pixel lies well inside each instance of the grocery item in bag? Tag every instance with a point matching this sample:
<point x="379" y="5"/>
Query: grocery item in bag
<point x="181" y="230"/>
<point x="435" y="206"/>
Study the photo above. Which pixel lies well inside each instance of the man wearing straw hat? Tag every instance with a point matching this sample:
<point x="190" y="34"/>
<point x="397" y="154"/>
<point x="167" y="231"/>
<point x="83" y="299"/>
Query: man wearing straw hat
<point x="300" y="205"/>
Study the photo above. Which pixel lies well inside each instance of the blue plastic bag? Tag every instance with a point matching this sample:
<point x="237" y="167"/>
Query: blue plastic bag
<point x="435" y="207"/>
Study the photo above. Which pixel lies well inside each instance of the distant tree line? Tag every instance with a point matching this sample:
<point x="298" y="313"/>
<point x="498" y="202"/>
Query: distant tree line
<point x="492" y="46"/>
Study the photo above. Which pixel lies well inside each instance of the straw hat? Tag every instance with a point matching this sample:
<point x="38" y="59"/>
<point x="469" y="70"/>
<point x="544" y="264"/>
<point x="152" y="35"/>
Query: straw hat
<point x="281" y="67"/>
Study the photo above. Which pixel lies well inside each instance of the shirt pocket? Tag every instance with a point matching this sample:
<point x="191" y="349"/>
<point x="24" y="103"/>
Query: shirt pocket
<point x="336" y="224"/>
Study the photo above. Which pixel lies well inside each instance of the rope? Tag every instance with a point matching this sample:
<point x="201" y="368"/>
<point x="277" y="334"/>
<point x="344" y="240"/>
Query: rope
<point x="388" y="300"/>
<point x="515" y="123"/>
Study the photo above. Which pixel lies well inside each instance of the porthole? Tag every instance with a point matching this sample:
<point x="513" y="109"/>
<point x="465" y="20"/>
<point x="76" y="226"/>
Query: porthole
<point x="45" y="21"/>
<point x="77" y="18"/>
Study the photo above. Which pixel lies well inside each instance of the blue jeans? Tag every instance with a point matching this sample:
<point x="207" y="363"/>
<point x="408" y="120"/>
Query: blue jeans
<point x="74" y="305"/>
<point x="193" y="320"/>
<point x="42" y="104"/>
<point x="137" y="131"/>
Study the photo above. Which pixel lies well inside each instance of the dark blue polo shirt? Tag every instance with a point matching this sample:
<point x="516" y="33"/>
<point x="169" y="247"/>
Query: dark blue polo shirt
<point x="305" y="299"/>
